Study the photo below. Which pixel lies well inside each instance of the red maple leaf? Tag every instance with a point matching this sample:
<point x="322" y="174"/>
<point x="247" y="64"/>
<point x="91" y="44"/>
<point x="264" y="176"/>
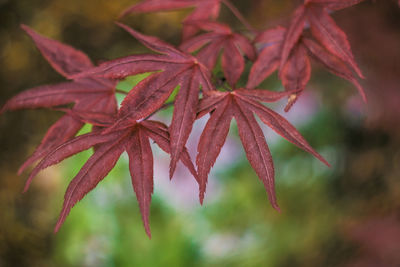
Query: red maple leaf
<point x="296" y="71"/>
<point x="109" y="146"/>
<point x="204" y="10"/>
<point x="94" y="94"/>
<point x="241" y="104"/>
<point x="177" y="68"/>
<point x="323" y="28"/>
<point x="221" y="38"/>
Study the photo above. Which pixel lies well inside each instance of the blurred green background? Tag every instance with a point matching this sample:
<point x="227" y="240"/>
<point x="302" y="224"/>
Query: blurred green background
<point x="347" y="215"/>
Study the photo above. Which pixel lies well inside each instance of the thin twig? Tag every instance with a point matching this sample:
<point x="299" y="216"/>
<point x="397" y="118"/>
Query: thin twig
<point x="239" y="15"/>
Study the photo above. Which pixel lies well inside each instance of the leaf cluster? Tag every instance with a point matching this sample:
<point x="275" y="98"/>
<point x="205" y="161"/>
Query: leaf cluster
<point x="311" y="33"/>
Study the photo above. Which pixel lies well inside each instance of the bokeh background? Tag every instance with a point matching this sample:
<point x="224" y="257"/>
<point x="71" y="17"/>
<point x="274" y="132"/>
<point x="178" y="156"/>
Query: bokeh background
<point x="346" y="215"/>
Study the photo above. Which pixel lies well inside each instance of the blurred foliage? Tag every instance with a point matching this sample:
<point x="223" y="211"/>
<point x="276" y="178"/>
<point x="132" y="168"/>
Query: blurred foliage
<point x="348" y="215"/>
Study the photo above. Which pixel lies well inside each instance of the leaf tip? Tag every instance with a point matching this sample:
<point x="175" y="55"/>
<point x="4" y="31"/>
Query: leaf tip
<point x="201" y="198"/>
<point x="125" y="12"/>
<point x="172" y="167"/>
<point x="148" y="233"/>
<point x="131" y="31"/>
<point x="23" y="167"/>
<point x="26" y="187"/>
<point x="28" y="30"/>
<point x="276" y="206"/>
<point x="363" y="96"/>
<point x="25" y="27"/>
<point x="323" y="160"/>
<point x="327" y="164"/>
<point x="121" y="15"/>
<point x="147" y="227"/>
<point x="202" y="192"/>
<point x="119" y="24"/>
<point x="57" y="227"/>
<point x="320" y="158"/>
<point x="3" y="109"/>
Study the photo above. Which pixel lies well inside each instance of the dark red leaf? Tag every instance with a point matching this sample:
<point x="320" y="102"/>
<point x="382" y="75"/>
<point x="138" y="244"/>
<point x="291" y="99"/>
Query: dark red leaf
<point x="141" y="169"/>
<point x="60" y="132"/>
<point x="296" y="73"/>
<point x="281" y="126"/>
<point x="293" y="34"/>
<point x="337" y="4"/>
<point x="241" y="104"/>
<point x="94" y="170"/>
<point x="67" y="149"/>
<point x="269" y="58"/>
<point x="63" y="58"/>
<point x="232" y="63"/>
<point x="49" y="96"/>
<point x="256" y="148"/>
<point x="325" y="30"/>
<point x="135" y="140"/>
<point x="148" y="96"/>
<point x="89" y="94"/>
<point x="211" y="141"/>
<point x="209" y="102"/>
<point x="261" y="95"/>
<point x="160" y="134"/>
<point x="333" y="64"/>
<point x="204" y="10"/>
<point x="222" y="38"/>
<point x="154" y="43"/>
<point x="184" y="115"/>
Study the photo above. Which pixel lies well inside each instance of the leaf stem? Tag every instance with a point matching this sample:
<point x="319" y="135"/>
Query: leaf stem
<point x="238" y="15"/>
<point x="121" y="91"/>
